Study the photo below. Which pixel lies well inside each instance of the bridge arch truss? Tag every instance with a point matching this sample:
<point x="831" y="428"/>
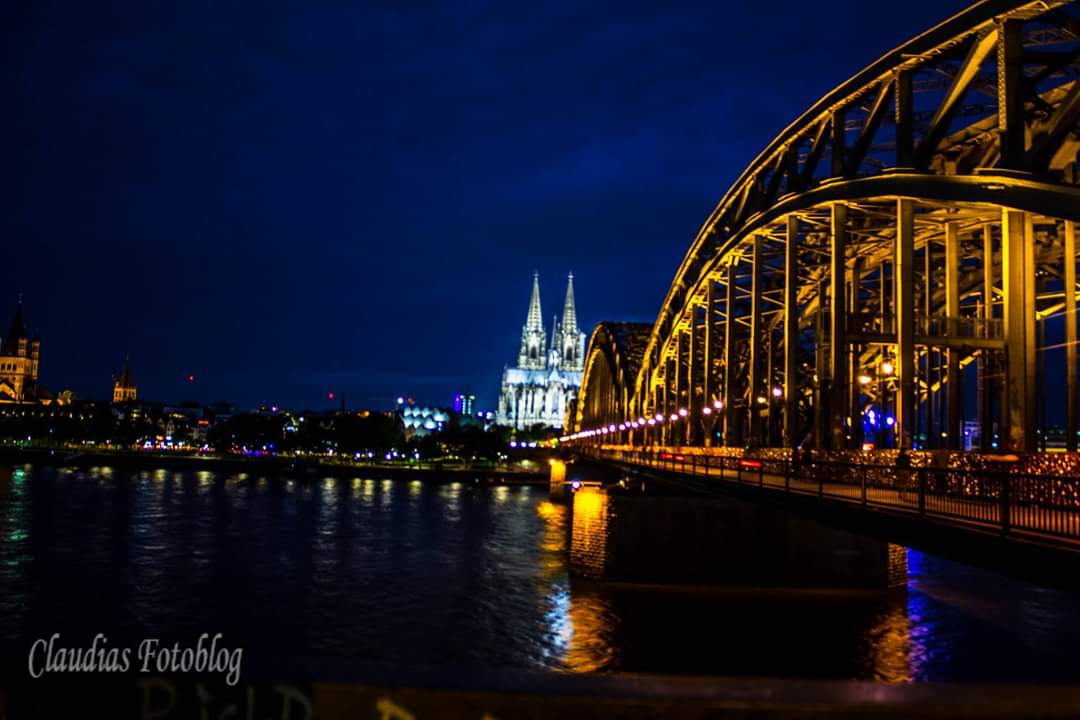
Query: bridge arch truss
<point x="890" y="268"/>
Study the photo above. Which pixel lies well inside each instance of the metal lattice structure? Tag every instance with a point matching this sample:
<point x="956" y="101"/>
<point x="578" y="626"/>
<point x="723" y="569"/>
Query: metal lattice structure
<point x="899" y="249"/>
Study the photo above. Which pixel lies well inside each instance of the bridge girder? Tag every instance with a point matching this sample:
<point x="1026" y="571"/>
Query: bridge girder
<point x="936" y="191"/>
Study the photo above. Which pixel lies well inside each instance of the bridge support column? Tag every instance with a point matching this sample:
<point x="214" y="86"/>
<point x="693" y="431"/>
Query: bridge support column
<point x="1072" y="366"/>
<point x="838" y="350"/>
<point x="682" y="365"/>
<point x="1018" y="289"/>
<point x="557" y="479"/>
<point x="708" y="379"/>
<point x="669" y="397"/>
<point x="693" y="400"/>
<point x="952" y="311"/>
<point x="730" y="434"/>
<point x="756" y="346"/>
<point x="904" y="301"/>
<point x="987" y="384"/>
<point x="854" y="355"/>
<point x="791" y="328"/>
<point x="822" y="432"/>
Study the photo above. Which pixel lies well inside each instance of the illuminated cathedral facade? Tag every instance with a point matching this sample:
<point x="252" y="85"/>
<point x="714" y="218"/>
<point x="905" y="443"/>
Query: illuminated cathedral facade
<point x="548" y="373"/>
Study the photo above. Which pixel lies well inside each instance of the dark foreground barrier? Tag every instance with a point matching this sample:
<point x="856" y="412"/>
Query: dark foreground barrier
<point x="564" y="697"/>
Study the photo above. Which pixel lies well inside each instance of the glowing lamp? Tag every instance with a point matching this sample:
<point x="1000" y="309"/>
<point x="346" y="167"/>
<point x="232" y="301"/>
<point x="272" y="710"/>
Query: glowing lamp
<point x="682" y="412"/>
<point x="887" y="367"/>
<point x="706" y="410"/>
<point x="777" y="392"/>
<point x="864" y="379"/>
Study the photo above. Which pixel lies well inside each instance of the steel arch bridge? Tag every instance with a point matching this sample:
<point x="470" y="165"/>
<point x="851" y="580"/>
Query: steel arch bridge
<point x="895" y="267"/>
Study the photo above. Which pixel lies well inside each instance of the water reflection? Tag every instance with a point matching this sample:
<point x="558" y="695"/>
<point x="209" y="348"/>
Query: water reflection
<point x="890" y="646"/>
<point x="406" y="574"/>
<point x="591" y="629"/>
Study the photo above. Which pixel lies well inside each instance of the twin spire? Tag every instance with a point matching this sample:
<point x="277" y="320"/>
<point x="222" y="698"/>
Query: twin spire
<point x="535" y="320"/>
<point x="569" y="314"/>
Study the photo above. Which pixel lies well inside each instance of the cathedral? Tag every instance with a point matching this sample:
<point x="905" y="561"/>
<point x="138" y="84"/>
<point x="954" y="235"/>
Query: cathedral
<point x="547" y="376"/>
<point x="19" y="357"/>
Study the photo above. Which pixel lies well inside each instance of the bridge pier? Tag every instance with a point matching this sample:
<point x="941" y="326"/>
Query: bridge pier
<point x="630" y="536"/>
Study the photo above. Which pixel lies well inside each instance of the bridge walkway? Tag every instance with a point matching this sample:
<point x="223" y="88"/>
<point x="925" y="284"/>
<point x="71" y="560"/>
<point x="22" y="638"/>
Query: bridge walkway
<point x="1022" y="506"/>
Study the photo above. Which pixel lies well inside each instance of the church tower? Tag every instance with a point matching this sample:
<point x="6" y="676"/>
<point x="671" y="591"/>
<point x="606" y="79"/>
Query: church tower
<point x="571" y="339"/>
<point x="532" y="355"/>
<point x="124" y="389"/>
<point x="20" y="357"/>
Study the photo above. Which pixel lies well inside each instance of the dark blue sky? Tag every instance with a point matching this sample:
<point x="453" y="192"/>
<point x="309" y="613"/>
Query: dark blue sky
<point x="286" y="198"/>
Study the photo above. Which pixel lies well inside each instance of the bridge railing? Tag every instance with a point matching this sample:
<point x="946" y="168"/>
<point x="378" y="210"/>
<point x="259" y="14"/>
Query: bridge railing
<point x="1009" y="502"/>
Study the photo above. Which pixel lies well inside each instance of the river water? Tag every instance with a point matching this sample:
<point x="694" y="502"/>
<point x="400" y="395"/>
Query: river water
<point x="416" y="577"/>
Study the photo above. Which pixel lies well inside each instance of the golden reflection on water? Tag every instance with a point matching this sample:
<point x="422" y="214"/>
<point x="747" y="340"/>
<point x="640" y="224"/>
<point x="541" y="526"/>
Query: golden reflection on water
<point x="501" y="494"/>
<point x="890" y="646"/>
<point x="898" y="651"/>
<point x="589" y="648"/>
<point x="579" y="620"/>
<point x="553" y="541"/>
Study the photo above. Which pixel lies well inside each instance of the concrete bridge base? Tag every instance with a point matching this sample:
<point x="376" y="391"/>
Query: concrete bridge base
<point x="633" y="537"/>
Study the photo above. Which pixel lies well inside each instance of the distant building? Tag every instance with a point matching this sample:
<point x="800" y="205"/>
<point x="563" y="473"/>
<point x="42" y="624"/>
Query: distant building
<point x="547" y="376"/>
<point x="19" y="357"/>
<point x="423" y="420"/>
<point x="464" y="404"/>
<point x="124" y="386"/>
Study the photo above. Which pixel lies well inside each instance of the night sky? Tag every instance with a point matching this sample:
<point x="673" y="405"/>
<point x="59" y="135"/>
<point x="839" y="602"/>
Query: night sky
<point x="288" y="198"/>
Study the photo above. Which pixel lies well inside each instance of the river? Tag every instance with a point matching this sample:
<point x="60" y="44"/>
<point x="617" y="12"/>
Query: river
<point x="353" y="574"/>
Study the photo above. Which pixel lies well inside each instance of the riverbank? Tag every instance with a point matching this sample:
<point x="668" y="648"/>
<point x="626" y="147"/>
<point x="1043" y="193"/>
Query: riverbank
<point x="298" y="468"/>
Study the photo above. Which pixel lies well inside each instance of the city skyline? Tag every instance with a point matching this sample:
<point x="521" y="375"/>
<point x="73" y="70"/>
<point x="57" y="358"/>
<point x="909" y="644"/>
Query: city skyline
<point x="259" y="208"/>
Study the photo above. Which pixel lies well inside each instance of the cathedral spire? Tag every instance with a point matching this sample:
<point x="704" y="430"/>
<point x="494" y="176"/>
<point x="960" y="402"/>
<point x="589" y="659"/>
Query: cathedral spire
<point x="535" y="321"/>
<point x="18" y="329"/>
<point x="533" y="353"/>
<point x="569" y="313"/>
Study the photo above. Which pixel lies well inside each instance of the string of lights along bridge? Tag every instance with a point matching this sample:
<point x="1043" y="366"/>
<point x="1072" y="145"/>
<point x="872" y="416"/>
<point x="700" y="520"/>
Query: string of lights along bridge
<point x="895" y="270"/>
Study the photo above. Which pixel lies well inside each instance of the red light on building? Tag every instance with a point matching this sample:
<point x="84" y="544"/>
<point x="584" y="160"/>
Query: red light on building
<point x="191" y="378"/>
<point x="330" y="395"/>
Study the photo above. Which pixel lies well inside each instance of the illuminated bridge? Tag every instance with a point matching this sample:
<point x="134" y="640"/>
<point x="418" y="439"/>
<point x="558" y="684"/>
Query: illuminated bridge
<point x="889" y="287"/>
